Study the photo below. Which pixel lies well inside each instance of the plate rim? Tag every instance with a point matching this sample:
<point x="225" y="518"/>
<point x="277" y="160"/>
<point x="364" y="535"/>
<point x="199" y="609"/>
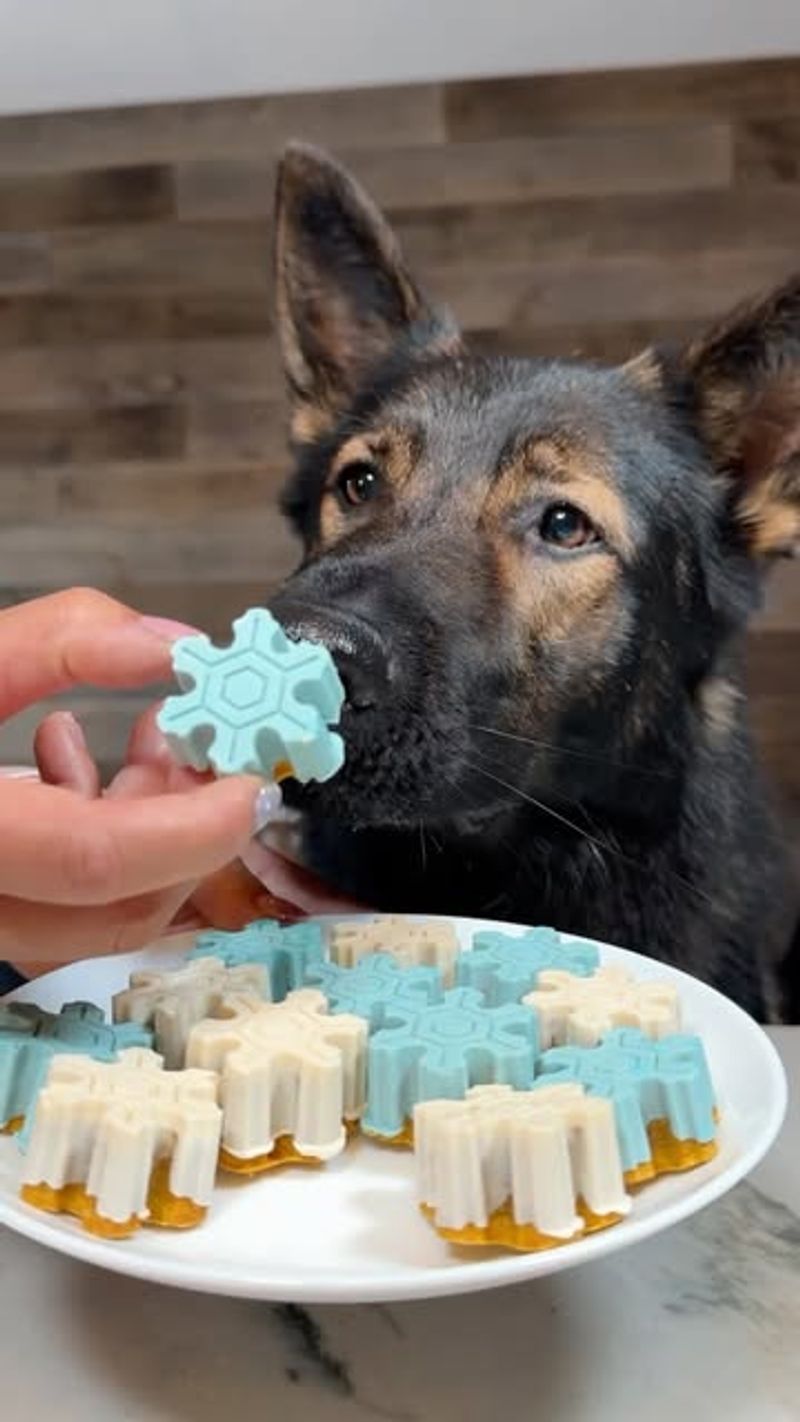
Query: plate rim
<point x="432" y="1281"/>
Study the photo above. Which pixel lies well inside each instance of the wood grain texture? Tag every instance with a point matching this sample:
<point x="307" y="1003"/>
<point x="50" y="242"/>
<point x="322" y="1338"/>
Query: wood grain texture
<point x="496" y="109"/>
<point x="90" y="436"/>
<point x="169" y="133"/>
<point x="95" y="376"/>
<point x="24" y="262"/>
<point x="142" y="424"/>
<point x="52" y="318"/>
<point x="768" y="151"/>
<point x="676" y="158"/>
<point x="70" y="199"/>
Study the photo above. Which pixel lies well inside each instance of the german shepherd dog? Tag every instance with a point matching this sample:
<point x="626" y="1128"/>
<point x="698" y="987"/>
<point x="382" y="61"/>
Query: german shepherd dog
<point x="534" y="576"/>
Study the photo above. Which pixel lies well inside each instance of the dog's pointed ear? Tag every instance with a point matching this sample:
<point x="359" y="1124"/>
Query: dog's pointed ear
<point x="345" y="298"/>
<point x="744" y="379"/>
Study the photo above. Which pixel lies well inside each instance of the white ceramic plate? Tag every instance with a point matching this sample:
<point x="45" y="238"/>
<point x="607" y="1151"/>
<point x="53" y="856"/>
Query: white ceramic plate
<point x="351" y="1233"/>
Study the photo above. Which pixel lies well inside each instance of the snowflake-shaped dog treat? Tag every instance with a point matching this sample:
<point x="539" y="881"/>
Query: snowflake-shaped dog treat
<point x="662" y="1094"/>
<point x="264" y="704"/>
<point x="524" y="1169"/>
<point x="170" y="1003"/>
<point x="441" y="1051"/>
<point x="30" y="1037"/>
<point x="376" y="986"/>
<point x="579" y="1011"/>
<point x="286" y="953"/>
<point x="504" y="966"/>
<point x="291" y="1078"/>
<point x="125" y="1143"/>
<point x="412" y="943"/>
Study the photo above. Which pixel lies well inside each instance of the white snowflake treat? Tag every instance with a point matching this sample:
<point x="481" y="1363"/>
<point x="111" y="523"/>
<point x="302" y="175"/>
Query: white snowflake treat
<point x="171" y="1003"/>
<point x="411" y="944"/>
<point x="578" y="1011"/>
<point x="524" y="1169"/>
<point x="292" y="1076"/>
<point x="123" y="1143"/>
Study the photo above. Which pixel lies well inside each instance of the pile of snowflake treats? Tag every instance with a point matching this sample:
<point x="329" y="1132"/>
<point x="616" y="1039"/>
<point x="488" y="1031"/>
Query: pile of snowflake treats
<point x="536" y="1088"/>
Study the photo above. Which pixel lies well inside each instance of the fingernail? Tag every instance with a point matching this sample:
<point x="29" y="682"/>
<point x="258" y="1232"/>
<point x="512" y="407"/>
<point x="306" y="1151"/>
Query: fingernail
<point x="268" y="802"/>
<point x="165" y="629"/>
<point x="72" y="728"/>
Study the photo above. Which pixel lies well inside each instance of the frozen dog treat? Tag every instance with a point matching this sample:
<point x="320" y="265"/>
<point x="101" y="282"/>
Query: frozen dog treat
<point x="286" y="953"/>
<point x="171" y="1003"/>
<point x="504" y="966"/>
<point x="29" y="1039"/>
<point x="265" y="704"/>
<point x="662" y="1095"/>
<point x="579" y="1011"/>
<point x="441" y="1051"/>
<point x="292" y="1078"/>
<point x="375" y="987"/>
<point x="413" y="944"/>
<point x="125" y="1143"/>
<point x="524" y="1169"/>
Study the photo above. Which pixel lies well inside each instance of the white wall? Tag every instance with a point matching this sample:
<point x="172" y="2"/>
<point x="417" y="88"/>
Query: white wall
<point x="77" y="53"/>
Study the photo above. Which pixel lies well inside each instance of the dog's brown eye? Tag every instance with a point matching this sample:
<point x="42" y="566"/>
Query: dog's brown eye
<point x="358" y="482"/>
<point x="566" y="526"/>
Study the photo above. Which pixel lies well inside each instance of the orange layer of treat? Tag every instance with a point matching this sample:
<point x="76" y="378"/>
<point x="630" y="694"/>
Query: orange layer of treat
<point x="503" y="1230"/>
<point x="404" y="1140"/>
<point x="170" y="1211"/>
<point x="284" y="1152"/>
<point x="166" y="1210"/>
<point x="12" y="1126"/>
<point x="670" y="1155"/>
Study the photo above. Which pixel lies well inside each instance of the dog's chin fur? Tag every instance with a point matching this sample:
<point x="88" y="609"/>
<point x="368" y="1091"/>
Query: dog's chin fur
<point x="560" y="731"/>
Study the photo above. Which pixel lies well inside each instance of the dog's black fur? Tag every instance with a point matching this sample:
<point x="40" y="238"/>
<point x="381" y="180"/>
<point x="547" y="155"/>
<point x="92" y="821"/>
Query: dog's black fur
<point x="545" y="719"/>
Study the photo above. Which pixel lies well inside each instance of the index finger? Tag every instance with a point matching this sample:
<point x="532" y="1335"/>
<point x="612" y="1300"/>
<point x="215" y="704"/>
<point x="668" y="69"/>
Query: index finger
<point x="79" y="637"/>
<point x="59" y="848"/>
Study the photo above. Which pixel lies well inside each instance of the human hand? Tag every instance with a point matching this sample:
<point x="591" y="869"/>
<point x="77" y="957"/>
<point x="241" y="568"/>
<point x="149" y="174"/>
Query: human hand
<point x="85" y="870"/>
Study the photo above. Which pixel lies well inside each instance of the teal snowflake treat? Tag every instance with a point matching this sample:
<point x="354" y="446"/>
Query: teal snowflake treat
<point x="376" y="987"/>
<point x="30" y="1037"/>
<point x="286" y="953"/>
<point x="441" y="1051"/>
<point x="505" y="966"/>
<point x="264" y="705"/>
<point x="662" y="1094"/>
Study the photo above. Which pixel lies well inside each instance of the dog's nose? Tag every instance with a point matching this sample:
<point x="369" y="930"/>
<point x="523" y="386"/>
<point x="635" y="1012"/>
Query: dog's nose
<point x="359" y="651"/>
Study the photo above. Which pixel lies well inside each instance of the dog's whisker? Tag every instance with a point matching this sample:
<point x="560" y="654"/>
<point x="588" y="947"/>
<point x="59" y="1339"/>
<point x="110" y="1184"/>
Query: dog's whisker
<point x="599" y="844"/>
<point x="537" y="744"/>
<point x="423" y="853"/>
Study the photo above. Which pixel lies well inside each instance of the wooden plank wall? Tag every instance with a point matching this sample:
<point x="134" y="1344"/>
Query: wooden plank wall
<point x="141" y="417"/>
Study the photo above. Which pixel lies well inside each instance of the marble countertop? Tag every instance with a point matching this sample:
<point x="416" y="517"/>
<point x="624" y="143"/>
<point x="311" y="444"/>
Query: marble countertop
<point x="703" y="1321"/>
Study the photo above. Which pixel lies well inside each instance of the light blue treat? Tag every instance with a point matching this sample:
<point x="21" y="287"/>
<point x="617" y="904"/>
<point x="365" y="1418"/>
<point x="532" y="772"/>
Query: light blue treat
<point x="377" y="987"/>
<point x="286" y="953"/>
<point x="441" y="1051"/>
<point x="647" y="1081"/>
<point x="261" y="705"/>
<point x="31" y="1037"/>
<point x="504" y="967"/>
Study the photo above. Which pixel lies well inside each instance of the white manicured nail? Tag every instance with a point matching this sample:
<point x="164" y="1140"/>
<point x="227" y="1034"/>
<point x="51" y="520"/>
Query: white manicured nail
<point x="268" y="803"/>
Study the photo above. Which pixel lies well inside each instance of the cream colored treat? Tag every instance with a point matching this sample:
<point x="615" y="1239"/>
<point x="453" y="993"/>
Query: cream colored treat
<point x="172" y="1002"/>
<point x="287" y="1069"/>
<point x="544" y="1159"/>
<point x="579" y="1011"/>
<point x="412" y="944"/>
<point x="108" y="1127"/>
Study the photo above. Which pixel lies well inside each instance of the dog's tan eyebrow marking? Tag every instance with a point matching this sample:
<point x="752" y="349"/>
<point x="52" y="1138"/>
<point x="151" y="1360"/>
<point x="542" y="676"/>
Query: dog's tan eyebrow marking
<point x="571" y="469"/>
<point x="395" y="449"/>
